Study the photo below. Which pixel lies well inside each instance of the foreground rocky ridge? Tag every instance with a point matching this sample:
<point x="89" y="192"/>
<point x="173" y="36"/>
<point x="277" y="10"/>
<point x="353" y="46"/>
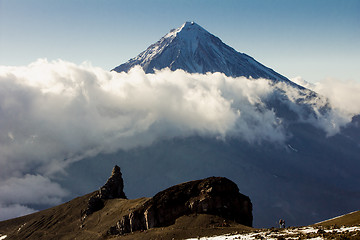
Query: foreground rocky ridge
<point x="215" y="195"/>
<point x="200" y="209"/>
<point x="197" y="208"/>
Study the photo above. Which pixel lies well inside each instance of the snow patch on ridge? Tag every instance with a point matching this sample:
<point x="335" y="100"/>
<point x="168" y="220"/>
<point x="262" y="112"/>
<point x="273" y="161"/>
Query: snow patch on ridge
<point x="289" y="233"/>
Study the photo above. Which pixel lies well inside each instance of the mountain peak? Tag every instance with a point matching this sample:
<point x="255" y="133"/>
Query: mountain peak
<point x="191" y="32"/>
<point x="186" y="27"/>
<point x="191" y="26"/>
<point x="195" y="50"/>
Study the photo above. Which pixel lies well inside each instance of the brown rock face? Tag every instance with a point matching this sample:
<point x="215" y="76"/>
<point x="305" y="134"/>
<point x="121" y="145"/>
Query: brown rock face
<point x="113" y="188"/>
<point x="215" y="195"/>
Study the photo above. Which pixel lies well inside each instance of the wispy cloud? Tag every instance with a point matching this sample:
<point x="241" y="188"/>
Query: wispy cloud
<point x="343" y="98"/>
<point x="19" y="191"/>
<point x="343" y="95"/>
<point x="14" y="210"/>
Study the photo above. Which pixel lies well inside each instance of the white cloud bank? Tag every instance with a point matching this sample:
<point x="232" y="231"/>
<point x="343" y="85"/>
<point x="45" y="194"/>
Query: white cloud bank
<point x="55" y="113"/>
<point x="344" y="96"/>
<point x="17" y="192"/>
<point x="60" y="112"/>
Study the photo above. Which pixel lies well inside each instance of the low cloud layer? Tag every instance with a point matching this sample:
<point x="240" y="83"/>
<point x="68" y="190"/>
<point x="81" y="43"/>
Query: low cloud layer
<point x="13" y="211"/>
<point x="343" y="95"/>
<point x="17" y="192"/>
<point x="56" y="113"/>
<point x="343" y="98"/>
<point x="31" y="189"/>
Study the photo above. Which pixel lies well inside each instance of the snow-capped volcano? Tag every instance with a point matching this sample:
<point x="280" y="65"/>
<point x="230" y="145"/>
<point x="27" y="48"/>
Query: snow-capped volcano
<point x="286" y="147"/>
<point x="290" y="180"/>
<point x="195" y="50"/>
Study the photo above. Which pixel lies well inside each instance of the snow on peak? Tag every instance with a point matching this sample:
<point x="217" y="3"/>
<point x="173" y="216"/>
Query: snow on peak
<point x="193" y="49"/>
<point x="187" y="29"/>
<point x="190" y="26"/>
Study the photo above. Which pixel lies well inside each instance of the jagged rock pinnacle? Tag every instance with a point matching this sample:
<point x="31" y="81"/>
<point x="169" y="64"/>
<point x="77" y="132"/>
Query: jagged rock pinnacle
<point x="116" y="170"/>
<point x="113" y="188"/>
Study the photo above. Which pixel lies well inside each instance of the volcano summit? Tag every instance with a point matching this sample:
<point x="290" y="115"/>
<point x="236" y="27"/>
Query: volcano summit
<point x="195" y="50"/>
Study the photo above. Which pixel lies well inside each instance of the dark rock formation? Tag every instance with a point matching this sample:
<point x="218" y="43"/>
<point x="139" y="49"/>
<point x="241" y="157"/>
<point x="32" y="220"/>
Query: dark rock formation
<point x="113" y="188"/>
<point x="215" y="195"/>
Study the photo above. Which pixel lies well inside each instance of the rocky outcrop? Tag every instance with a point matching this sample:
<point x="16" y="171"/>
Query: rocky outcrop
<point x="215" y="195"/>
<point x="113" y="188"/>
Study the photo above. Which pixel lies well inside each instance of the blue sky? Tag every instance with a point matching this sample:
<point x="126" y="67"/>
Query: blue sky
<point x="314" y="39"/>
